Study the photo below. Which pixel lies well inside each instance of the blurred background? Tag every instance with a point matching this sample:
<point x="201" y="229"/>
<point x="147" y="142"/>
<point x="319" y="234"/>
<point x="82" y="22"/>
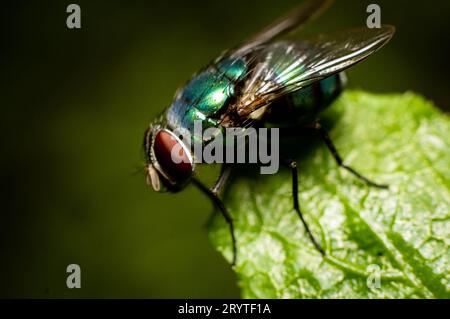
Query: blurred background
<point x="74" y="106"/>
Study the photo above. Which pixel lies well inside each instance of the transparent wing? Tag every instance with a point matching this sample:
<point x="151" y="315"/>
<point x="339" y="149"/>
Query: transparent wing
<point x="284" y="67"/>
<point x="307" y="10"/>
<point x="201" y="87"/>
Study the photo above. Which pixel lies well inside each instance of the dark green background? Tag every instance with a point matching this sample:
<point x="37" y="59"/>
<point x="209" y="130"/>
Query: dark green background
<point x="74" y="107"/>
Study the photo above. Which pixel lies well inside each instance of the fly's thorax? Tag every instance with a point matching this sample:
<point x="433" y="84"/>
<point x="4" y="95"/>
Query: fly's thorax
<point x="206" y="96"/>
<point x="308" y="101"/>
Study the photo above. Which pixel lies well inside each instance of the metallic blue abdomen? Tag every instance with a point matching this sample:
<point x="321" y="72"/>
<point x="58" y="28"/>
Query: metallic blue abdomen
<point x="308" y="101"/>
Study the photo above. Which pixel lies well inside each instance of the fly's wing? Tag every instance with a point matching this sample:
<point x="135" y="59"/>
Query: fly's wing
<point x="204" y="85"/>
<point x="308" y="10"/>
<point x="284" y="67"/>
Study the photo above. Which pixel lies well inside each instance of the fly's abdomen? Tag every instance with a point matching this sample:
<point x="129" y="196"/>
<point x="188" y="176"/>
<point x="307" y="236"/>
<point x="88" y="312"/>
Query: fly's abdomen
<point x="307" y="101"/>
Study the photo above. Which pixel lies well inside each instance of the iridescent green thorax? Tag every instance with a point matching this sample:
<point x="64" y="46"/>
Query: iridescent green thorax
<point x="234" y="69"/>
<point x="205" y="95"/>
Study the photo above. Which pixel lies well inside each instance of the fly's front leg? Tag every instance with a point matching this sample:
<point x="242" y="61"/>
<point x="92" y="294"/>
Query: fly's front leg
<point x="225" y="171"/>
<point x="219" y="204"/>
<point x="326" y="138"/>
<point x="293" y="167"/>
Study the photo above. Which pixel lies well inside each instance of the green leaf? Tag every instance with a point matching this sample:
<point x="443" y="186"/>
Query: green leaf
<point x="400" y="235"/>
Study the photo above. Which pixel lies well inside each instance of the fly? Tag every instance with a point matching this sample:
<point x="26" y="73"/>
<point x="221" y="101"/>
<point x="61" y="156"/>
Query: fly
<point x="264" y="80"/>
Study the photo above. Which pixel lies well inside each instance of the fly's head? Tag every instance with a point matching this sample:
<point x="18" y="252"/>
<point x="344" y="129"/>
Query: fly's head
<point x="169" y="162"/>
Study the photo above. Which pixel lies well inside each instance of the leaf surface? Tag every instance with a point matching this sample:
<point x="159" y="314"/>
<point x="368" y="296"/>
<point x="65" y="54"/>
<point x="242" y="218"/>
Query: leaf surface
<point x="380" y="243"/>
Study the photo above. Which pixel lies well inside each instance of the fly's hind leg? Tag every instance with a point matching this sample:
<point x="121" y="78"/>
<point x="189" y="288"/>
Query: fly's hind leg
<point x="329" y="143"/>
<point x="292" y="165"/>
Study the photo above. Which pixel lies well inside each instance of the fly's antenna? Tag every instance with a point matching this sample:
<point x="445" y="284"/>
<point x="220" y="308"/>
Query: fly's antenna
<point x="138" y="169"/>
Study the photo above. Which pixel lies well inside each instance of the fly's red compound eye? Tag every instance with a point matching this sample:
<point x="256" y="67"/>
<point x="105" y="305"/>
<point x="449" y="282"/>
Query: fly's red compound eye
<point x="172" y="156"/>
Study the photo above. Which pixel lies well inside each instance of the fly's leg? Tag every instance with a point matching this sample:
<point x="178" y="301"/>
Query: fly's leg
<point x="225" y="172"/>
<point x="219" y="204"/>
<point x="326" y="138"/>
<point x="293" y="167"/>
